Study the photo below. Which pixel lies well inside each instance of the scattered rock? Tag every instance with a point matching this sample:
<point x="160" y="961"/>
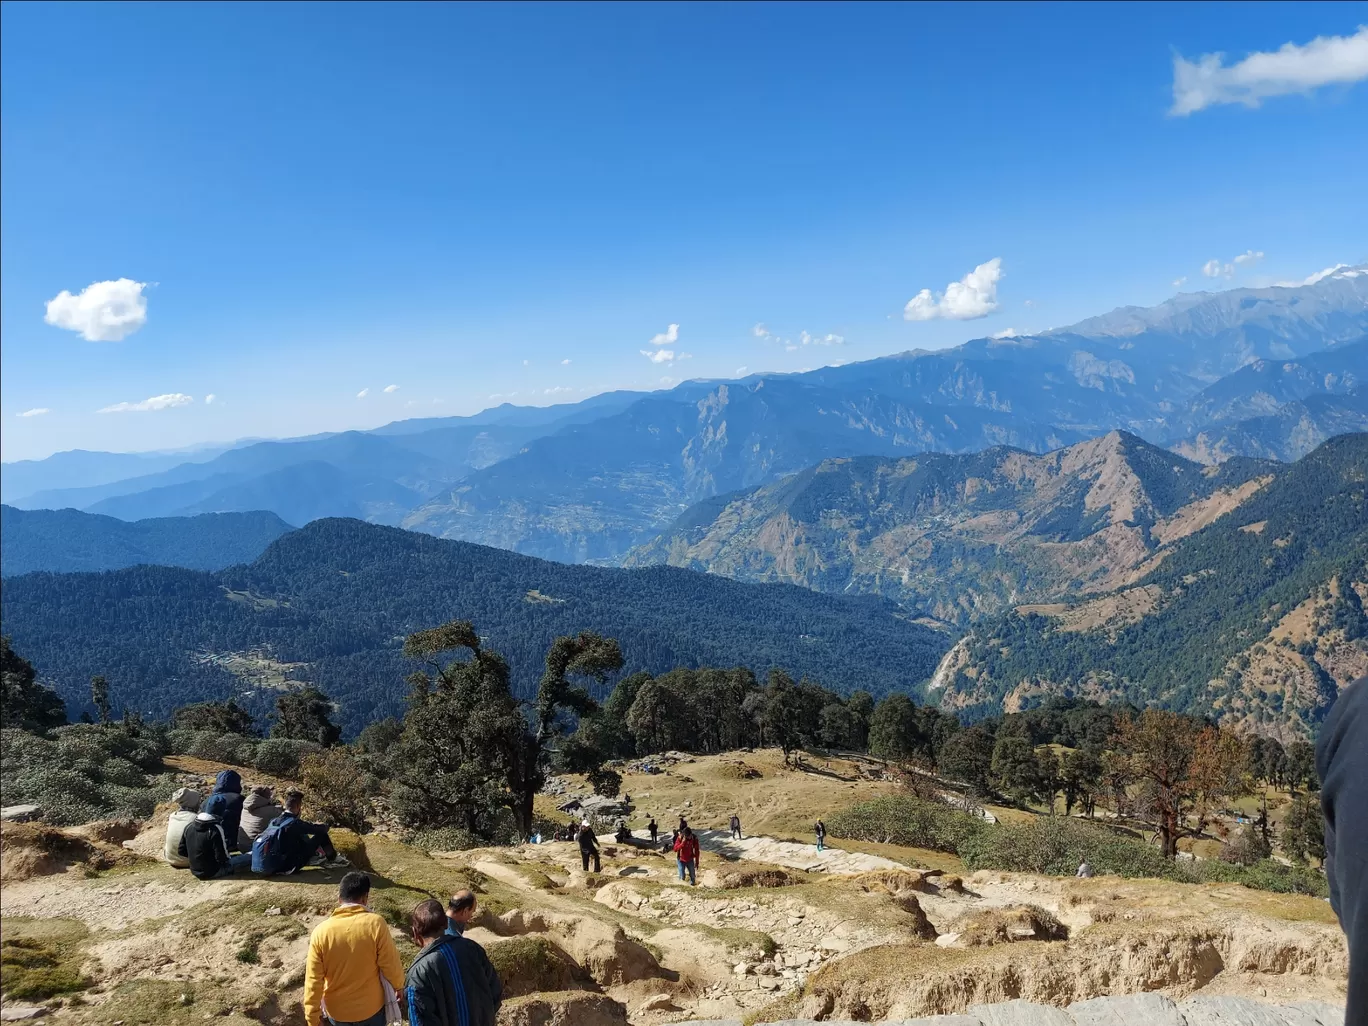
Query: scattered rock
<point x="17" y="1013"/>
<point x="20" y="814"/>
<point x="658" y="1003"/>
<point x="274" y="910"/>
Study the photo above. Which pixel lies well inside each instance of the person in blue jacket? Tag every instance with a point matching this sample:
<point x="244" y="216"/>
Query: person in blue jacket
<point x="226" y="804"/>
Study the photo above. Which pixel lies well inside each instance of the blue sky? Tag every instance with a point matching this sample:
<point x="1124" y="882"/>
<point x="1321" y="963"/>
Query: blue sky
<point x="458" y="200"/>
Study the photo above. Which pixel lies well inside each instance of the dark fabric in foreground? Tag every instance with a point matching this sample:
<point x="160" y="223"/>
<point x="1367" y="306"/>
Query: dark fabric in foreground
<point x="1342" y="762"/>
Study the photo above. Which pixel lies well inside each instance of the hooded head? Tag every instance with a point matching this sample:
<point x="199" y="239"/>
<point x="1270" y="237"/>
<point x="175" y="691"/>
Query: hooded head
<point x="206" y="817"/>
<point x="228" y="780"/>
<point x="187" y="798"/>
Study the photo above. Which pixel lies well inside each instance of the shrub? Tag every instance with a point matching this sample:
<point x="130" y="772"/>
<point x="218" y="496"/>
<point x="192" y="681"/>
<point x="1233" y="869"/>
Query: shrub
<point x="1055" y="845"/>
<point x="85" y="772"/>
<point x="281" y="756"/>
<point x="907" y="820"/>
<point x="444" y="839"/>
<point x="1246" y="848"/>
<point x="338" y="790"/>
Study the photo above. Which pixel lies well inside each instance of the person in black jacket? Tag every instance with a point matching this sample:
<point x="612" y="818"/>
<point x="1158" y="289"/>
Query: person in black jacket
<point x="203" y="845"/>
<point x="588" y="846"/>
<point x="301" y="842"/>
<point x="451" y="982"/>
<point x="1342" y="764"/>
<point x="226" y="804"/>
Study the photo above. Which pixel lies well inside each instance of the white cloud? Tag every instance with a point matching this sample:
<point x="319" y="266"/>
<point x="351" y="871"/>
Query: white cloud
<point x="105" y="311"/>
<point x="658" y="355"/>
<point x="1249" y="256"/>
<point x="209" y="399"/>
<point x="37" y="411"/>
<point x="1028" y="304"/>
<point x="1312" y="279"/>
<point x="1216" y="269"/>
<point x="668" y="337"/>
<point x="363" y="393"/>
<point x="973" y="296"/>
<point x="391" y="388"/>
<point x="1005" y="333"/>
<point x="739" y="371"/>
<point x="557" y="390"/>
<point x="1179" y="282"/>
<point x="565" y="362"/>
<point x="790" y="348"/>
<point x="820" y="340"/>
<point x="760" y="331"/>
<point x="157" y="402"/>
<point x="1325" y="60"/>
<point x="527" y="363"/>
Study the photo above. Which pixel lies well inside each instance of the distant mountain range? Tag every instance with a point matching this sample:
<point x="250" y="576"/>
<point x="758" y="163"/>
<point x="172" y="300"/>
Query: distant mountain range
<point x="1258" y="372"/>
<point x="331" y="604"/>
<point x="67" y="540"/>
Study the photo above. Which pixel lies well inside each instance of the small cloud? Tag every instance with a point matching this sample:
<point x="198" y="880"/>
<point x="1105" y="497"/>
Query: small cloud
<point x="158" y="402"/>
<point x="565" y="362"/>
<point x="210" y="399"/>
<point x="1005" y="333"/>
<point x="37" y="411"/>
<point x="659" y="355"/>
<point x="363" y="393"/>
<point x="391" y="388"/>
<point x="1290" y="69"/>
<point x="668" y="337"/>
<point x="1216" y="269"/>
<point x="739" y="371"/>
<point x="820" y="340"/>
<point x="527" y="363"/>
<point x="557" y="390"/>
<point x="105" y="311"/>
<point x="1249" y="256"/>
<point x="760" y="331"/>
<point x="1312" y="279"/>
<point x="1029" y="304"/>
<point x="1179" y="282"/>
<point x="973" y="296"/>
<point x="789" y="347"/>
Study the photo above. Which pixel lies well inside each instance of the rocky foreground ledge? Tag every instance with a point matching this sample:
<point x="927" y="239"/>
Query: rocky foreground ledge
<point x="1129" y="1010"/>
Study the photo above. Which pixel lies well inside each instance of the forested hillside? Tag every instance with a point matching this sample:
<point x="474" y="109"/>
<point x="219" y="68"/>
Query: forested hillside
<point x="331" y="603"/>
<point x="1256" y="619"/>
<point x="67" y="540"/>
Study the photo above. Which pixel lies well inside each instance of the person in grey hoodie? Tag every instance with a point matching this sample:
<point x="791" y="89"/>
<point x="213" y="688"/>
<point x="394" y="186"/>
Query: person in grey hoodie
<point x="189" y="801"/>
<point x="258" y="809"/>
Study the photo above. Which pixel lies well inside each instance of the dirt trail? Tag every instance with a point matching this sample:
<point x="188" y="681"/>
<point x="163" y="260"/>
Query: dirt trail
<point x="791" y="854"/>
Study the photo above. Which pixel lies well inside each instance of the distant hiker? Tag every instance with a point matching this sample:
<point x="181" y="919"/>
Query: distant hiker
<point x="819" y="828"/>
<point x="205" y="849"/>
<point x="622" y="835"/>
<point x="289" y="843"/>
<point x="686" y="848"/>
<point x="460" y="911"/>
<point x="655" y="830"/>
<point x="735" y="825"/>
<point x="259" y="810"/>
<point x="1085" y="870"/>
<point x="352" y="958"/>
<point x="226" y="804"/>
<point x="1342" y="765"/>
<point x="588" y="846"/>
<point x="451" y="982"/>
<point x="189" y="801"/>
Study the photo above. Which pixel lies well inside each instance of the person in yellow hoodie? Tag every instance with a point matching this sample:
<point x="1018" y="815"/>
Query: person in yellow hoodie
<point x="350" y="954"/>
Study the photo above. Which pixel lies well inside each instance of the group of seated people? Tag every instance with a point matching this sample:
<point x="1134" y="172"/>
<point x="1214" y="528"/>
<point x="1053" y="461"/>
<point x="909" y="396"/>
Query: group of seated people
<point x="226" y="832"/>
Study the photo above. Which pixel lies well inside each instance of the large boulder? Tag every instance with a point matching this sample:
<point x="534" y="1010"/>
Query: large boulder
<point x="563" y="1008"/>
<point x="527" y="965"/>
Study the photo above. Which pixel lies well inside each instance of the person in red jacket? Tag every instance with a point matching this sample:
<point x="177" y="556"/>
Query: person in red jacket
<point x="686" y="849"/>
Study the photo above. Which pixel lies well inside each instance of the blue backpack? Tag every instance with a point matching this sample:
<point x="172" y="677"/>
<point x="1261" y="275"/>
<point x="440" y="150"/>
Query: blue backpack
<point x="267" y="856"/>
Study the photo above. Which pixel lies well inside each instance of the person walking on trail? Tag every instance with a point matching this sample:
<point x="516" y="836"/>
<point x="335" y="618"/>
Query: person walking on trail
<point x="188" y="800"/>
<point x="259" y="810"/>
<point x="687" y="850"/>
<point x="588" y="846"/>
<point x="352" y="959"/>
<point x="289" y="843"/>
<point x="205" y="849"/>
<point x="819" y="828"/>
<point x="460" y="911"/>
<point x="1085" y="870"/>
<point x="451" y="982"/>
<point x="226" y="803"/>
<point x="735" y="825"/>
<point x="1342" y="764"/>
<point x="651" y="826"/>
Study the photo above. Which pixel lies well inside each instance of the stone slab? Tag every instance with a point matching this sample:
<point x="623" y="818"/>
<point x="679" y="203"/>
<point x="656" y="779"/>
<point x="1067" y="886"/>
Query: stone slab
<point x="1127" y="1010"/>
<point x="1020" y="1013"/>
<point x="1236" y="1011"/>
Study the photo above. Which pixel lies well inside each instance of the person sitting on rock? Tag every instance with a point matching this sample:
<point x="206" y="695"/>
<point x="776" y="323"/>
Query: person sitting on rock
<point x="189" y="801"/>
<point x="451" y="982"/>
<point x="588" y="846"/>
<point x="687" y="851"/>
<point x="259" y="810"/>
<point x="623" y="835"/>
<point x="226" y="803"/>
<point x="460" y="911"/>
<point x="289" y="843"/>
<point x="205" y="849"/>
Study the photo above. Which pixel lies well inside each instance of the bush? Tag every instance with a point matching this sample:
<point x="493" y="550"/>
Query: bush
<point x="907" y="820"/>
<point x="444" y="839"/>
<point x="1055" y="845"/>
<point x="1246" y="848"/>
<point x="337" y="789"/>
<point x="281" y="756"/>
<point x="85" y="772"/>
